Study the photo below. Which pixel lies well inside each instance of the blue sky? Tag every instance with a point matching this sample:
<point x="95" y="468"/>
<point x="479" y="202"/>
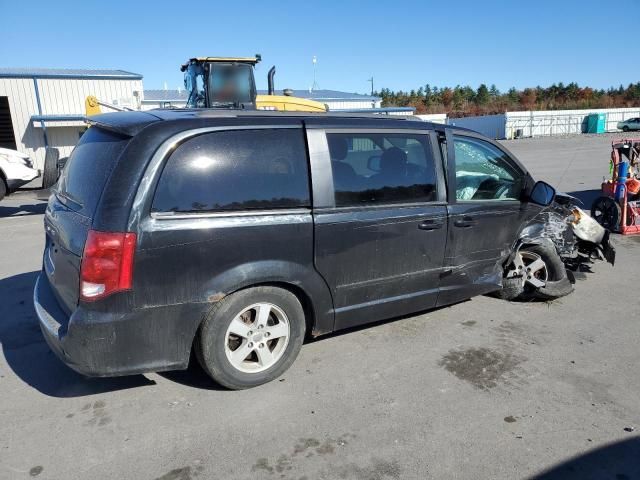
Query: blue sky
<point x="402" y="44"/>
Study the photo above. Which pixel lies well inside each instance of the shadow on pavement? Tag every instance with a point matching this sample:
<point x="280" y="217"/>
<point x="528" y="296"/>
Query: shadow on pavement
<point x="586" y="197"/>
<point x="30" y="358"/>
<point x="619" y="461"/>
<point x="194" y="377"/>
<point x="23" y="210"/>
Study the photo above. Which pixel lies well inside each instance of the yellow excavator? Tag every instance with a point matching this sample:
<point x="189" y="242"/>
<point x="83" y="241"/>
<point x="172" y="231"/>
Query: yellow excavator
<point x="226" y="83"/>
<point x="229" y="82"/>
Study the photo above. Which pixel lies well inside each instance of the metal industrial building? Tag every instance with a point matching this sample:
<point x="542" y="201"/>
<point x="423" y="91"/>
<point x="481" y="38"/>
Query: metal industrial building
<point x="335" y="100"/>
<point x="542" y="123"/>
<point x="42" y="107"/>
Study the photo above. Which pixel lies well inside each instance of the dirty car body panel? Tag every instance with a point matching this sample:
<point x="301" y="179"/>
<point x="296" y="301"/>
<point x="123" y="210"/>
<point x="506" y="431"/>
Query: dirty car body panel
<point x="351" y="244"/>
<point x="481" y="230"/>
<point x="380" y="258"/>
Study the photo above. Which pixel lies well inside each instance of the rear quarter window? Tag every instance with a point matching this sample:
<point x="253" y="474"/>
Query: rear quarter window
<point x="88" y="168"/>
<point x="236" y="170"/>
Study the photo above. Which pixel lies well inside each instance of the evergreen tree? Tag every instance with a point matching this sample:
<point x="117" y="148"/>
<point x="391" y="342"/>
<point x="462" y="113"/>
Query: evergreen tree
<point x="482" y="95"/>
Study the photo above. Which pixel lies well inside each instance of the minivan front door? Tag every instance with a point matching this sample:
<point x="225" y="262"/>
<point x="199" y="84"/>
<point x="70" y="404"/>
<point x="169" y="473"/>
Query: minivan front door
<point x="380" y="222"/>
<point x="485" y="216"/>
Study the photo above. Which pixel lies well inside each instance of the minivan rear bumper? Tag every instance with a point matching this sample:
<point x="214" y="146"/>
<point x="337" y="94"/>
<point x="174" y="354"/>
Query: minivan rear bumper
<point x="103" y="344"/>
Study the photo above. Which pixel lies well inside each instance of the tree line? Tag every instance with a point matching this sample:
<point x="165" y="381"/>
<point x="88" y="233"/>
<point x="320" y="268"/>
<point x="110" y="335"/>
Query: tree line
<point x="465" y="101"/>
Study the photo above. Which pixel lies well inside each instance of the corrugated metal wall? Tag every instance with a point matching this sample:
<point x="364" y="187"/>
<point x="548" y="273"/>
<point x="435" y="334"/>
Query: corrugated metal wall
<point x="58" y="97"/>
<point x="67" y="96"/>
<point x="433" y="117"/>
<point x="491" y="126"/>
<point x="341" y="105"/>
<point x="22" y="103"/>
<point x="542" y="123"/>
<point x="562" y="122"/>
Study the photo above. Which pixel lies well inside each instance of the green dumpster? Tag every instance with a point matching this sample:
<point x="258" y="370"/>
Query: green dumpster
<point x="596" y="122"/>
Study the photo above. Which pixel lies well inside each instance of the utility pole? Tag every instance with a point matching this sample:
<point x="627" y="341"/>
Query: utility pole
<point x="314" y="86"/>
<point x="371" y="80"/>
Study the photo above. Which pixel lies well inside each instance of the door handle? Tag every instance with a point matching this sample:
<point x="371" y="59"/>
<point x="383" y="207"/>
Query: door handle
<point x="430" y="225"/>
<point x="465" y="222"/>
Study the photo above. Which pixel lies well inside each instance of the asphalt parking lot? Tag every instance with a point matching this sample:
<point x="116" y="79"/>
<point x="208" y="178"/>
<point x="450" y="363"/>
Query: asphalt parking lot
<point x="482" y="389"/>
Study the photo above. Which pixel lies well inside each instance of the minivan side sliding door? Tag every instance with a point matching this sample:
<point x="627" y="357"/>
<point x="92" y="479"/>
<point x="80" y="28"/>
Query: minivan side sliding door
<point x="226" y="208"/>
<point x="485" y="214"/>
<point x="380" y="220"/>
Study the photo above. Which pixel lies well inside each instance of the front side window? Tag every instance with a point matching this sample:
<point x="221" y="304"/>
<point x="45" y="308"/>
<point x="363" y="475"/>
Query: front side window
<point x="484" y="172"/>
<point x="378" y="168"/>
<point x="236" y="170"/>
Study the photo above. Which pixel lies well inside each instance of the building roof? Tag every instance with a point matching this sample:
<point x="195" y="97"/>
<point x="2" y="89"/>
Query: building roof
<point x="36" y="72"/>
<point x="377" y="110"/>
<point x="318" y="95"/>
<point x="165" y="95"/>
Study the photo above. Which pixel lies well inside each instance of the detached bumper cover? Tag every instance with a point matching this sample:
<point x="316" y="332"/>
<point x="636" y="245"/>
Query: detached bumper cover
<point x="101" y="344"/>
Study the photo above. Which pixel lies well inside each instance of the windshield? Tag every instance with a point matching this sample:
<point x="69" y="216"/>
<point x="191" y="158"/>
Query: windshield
<point x="228" y="85"/>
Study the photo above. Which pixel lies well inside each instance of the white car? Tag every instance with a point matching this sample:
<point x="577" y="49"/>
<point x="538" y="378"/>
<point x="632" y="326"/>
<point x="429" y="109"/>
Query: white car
<point x="16" y="169"/>
<point x="630" y="124"/>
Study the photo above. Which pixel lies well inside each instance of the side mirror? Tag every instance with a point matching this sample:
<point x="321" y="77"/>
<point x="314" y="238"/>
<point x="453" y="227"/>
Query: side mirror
<point x="542" y="194"/>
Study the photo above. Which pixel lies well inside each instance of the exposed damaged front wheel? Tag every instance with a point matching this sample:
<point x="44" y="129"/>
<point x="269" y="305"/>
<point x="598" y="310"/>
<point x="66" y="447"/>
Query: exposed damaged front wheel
<point x="536" y="272"/>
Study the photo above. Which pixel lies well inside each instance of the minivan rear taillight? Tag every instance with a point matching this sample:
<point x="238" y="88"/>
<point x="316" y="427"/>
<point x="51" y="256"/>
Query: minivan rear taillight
<point x="107" y="264"/>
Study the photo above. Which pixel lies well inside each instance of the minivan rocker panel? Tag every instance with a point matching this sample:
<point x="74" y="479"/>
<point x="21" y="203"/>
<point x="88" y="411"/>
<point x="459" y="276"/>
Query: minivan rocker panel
<point x="234" y="235"/>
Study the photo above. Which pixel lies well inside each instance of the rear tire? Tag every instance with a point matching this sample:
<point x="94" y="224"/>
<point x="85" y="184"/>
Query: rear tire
<point x="50" y="170"/>
<point x="251" y="337"/>
<point x="3" y="188"/>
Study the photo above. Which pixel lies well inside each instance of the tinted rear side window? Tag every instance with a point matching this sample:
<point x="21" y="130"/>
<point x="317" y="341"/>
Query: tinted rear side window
<point x="379" y="168"/>
<point x="236" y="170"/>
<point x="88" y="168"/>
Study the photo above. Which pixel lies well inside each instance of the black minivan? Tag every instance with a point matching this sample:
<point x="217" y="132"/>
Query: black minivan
<point x="236" y="234"/>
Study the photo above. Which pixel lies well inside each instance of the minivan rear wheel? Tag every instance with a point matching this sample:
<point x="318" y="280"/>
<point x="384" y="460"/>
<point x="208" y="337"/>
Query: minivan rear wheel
<point x="251" y="337"/>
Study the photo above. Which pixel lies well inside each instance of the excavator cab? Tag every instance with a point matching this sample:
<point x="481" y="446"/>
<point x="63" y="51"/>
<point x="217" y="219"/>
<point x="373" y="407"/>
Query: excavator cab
<point x="229" y="82"/>
<point x="220" y="82"/>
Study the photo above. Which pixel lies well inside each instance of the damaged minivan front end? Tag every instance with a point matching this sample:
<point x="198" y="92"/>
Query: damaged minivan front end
<point x="558" y="240"/>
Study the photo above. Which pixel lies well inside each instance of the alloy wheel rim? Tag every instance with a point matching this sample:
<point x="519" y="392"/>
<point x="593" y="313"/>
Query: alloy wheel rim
<point x="533" y="269"/>
<point x="257" y="337"/>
